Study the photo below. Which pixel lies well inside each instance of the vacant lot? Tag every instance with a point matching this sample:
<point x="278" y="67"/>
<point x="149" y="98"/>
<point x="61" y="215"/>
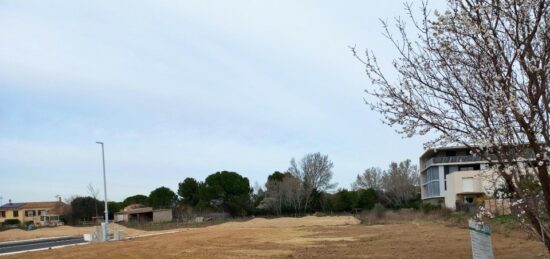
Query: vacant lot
<point x="18" y="234"/>
<point x="310" y="237"/>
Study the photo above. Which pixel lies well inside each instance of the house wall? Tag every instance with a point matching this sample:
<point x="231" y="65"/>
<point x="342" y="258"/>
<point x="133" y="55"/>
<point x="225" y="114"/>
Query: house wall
<point x="119" y="217"/>
<point x="21" y="215"/>
<point x="482" y="182"/>
<point x="9" y="215"/>
<point x="455" y="185"/>
<point x="162" y="215"/>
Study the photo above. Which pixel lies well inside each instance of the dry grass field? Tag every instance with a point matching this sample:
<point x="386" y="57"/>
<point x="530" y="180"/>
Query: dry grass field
<point x="308" y="237"/>
<point x="18" y="234"/>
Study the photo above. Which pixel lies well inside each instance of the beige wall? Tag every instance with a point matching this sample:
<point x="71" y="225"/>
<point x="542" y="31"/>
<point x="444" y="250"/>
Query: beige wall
<point x="162" y="215"/>
<point x="121" y="217"/>
<point x="482" y="182"/>
<point x="21" y="217"/>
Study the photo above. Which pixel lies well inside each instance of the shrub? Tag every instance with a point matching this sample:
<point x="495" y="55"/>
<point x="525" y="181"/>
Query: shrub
<point x="428" y="207"/>
<point x="379" y="210"/>
<point x="8" y="222"/>
<point x="504" y="219"/>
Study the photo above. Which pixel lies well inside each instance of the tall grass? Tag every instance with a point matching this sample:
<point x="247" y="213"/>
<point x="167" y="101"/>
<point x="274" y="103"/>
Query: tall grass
<point x="446" y="216"/>
<point x="507" y="225"/>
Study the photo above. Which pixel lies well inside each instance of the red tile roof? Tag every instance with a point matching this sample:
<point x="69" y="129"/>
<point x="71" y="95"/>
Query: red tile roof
<point x="42" y="205"/>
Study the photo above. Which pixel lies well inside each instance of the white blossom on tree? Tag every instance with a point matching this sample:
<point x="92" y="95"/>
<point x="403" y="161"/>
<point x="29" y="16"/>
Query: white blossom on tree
<point x="478" y="75"/>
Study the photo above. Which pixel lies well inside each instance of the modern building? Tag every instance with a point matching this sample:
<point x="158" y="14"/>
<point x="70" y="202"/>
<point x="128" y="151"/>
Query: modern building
<point x="39" y="213"/>
<point x="140" y="213"/>
<point x="452" y="177"/>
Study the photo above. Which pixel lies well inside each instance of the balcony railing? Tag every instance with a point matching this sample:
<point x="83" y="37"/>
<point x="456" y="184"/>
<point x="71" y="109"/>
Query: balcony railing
<point x="470" y="158"/>
<point x="451" y="159"/>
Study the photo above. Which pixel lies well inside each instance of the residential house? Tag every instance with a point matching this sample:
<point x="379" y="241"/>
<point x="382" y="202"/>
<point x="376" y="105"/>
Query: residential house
<point x="39" y="213"/>
<point x="140" y="213"/>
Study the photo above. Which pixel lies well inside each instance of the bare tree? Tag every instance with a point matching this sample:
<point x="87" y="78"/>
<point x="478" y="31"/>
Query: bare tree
<point x="477" y="75"/>
<point x="371" y="178"/>
<point x="93" y="192"/>
<point x="67" y="211"/>
<point x="400" y="182"/>
<point x="273" y="196"/>
<point x="257" y="188"/>
<point x="283" y="191"/>
<point x="315" y="172"/>
<point x="69" y="200"/>
<point x="293" y="192"/>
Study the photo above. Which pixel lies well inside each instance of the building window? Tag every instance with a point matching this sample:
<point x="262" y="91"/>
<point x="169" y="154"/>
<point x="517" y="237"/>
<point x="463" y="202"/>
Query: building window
<point x="468" y="200"/>
<point x="2" y="214"/>
<point x="431" y="182"/>
<point x="445" y="176"/>
<point x="15" y="213"/>
<point x="29" y="213"/>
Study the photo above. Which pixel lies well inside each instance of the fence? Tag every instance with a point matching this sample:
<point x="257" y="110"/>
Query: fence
<point x="498" y="206"/>
<point x="182" y="216"/>
<point x="470" y="208"/>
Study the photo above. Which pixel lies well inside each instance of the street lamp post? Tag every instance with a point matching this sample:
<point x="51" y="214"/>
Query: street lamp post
<point x="106" y="227"/>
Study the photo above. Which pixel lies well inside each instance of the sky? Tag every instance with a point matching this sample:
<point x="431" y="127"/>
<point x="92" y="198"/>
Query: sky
<point x="180" y="89"/>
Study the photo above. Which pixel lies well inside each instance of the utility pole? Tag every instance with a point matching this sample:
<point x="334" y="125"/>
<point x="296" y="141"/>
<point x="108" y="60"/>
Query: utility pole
<point x="106" y="226"/>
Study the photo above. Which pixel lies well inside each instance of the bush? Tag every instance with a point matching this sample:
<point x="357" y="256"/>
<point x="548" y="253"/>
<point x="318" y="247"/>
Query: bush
<point x="428" y="207"/>
<point x="8" y="222"/>
<point x="366" y="198"/>
<point x="504" y="219"/>
<point x="379" y="210"/>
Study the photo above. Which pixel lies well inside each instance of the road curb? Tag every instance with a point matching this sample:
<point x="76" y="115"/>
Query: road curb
<point x="42" y="249"/>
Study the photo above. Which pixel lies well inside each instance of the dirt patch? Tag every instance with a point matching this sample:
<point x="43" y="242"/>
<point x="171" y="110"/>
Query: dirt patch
<point x="291" y="222"/>
<point x="311" y="237"/>
<point x="18" y="234"/>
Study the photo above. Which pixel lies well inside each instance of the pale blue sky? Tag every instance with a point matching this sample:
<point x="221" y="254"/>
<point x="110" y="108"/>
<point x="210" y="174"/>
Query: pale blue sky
<point x="181" y="89"/>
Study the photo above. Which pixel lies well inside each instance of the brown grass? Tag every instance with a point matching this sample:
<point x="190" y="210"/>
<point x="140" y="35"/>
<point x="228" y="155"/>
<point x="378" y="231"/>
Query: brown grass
<point x="446" y="216"/>
<point x="18" y="234"/>
<point x="308" y="237"/>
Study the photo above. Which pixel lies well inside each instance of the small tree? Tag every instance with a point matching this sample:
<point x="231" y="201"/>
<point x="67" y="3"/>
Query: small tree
<point x="189" y="191"/>
<point x="366" y="198"/>
<point x="274" y="194"/>
<point x="344" y="200"/>
<point x="93" y="192"/>
<point x="162" y="197"/>
<point x="400" y="183"/>
<point x="293" y="192"/>
<point x="83" y="208"/>
<point x="398" y="186"/>
<point x="135" y="199"/>
<point x="227" y="190"/>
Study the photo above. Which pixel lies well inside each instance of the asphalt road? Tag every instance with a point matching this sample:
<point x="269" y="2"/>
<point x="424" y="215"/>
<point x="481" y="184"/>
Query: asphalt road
<point x="37" y="244"/>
